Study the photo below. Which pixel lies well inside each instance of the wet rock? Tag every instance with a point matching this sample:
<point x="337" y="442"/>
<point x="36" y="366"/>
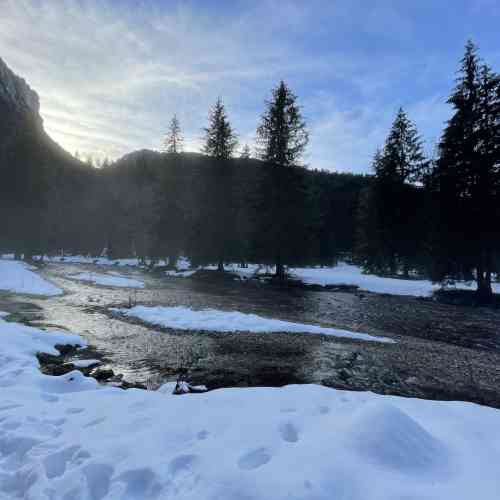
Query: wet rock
<point x="56" y="369"/>
<point x="66" y="349"/>
<point x="102" y="374"/>
<point x="132" y="385"/>
<point x="49" y="359"/>
<point x="185" y="388"/>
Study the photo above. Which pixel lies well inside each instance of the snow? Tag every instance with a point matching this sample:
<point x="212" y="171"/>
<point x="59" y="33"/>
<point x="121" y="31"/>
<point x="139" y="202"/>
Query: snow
<point x="18" y="277"/>
<point x="85" y="363"/>
<point x="213" y="320"/>
<point x="67" y="437"/>
<point x="111" y="279"/>
<point x="347" y="274"/>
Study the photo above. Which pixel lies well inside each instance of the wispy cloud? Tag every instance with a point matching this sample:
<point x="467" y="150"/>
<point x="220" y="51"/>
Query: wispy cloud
<point x="110" y="74"/>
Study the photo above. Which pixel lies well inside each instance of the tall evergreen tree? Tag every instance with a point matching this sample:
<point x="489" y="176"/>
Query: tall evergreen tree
<point x="282" y="135"/>
<point x="402" y="159"/>
<point x="466" y="178"/>
<point x="282" y="234"/>
<point x="174" y="141"/>
<point x="220" y="140"/>
<point x="216" y="223"/>
<point x="390" y="213"/>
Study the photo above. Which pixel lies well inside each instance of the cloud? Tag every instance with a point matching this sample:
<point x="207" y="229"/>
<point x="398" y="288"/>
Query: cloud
<point x="111" y="74"/>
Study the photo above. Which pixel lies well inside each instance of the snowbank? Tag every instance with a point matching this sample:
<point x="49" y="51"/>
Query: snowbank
<point x="18" y="277"/>
<point x="108" y="280"/>
<point x="67" y="438"/>
<point x="183" y="318"/>
<point x="346" y="274"/>
<point x="85" y="363"/>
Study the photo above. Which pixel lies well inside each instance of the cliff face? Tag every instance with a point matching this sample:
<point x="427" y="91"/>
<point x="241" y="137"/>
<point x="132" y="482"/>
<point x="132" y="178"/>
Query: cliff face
<point x="16" y="93"/>
<point x="19" y="114"/>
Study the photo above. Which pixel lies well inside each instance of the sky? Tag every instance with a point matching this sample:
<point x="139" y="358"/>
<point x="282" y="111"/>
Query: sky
<point x="111" y="73"/>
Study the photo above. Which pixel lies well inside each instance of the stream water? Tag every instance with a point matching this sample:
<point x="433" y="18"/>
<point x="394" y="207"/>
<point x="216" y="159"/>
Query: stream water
<point x="442" y="351"/>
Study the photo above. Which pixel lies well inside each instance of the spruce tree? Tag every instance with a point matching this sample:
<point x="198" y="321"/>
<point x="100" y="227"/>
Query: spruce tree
<point x="390" y="214"/>
<point x="173" y="142"/>
<point x="282" y="233"/>
<point x="402" y="159"/>
<point x="466" y="178"/>
<point x="282" y="135"/>
<point x="220" y="140"/>
<point x="217" y="223"/>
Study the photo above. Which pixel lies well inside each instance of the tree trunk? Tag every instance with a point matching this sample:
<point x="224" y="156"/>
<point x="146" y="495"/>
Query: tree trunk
<point x="220" y="266"/>
<point x="484" y="292"/>
<point x="406" y="270"/>
<point x="280" y="271"/>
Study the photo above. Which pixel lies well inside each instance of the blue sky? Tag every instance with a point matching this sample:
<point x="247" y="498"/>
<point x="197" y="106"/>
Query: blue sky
<point x="111" y="73"/>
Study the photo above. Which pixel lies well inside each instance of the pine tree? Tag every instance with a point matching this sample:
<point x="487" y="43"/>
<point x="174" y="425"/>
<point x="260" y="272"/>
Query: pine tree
<point x="217" y="222"/>
<point x="282" y="135"/>
<point x="282" y="234"/>
<point x="174" y="141"/>
<point x="402" y="159"/>
<point x="466" y="178"/>
<point x="389" y="235"/>
<point x="220" y="140"/>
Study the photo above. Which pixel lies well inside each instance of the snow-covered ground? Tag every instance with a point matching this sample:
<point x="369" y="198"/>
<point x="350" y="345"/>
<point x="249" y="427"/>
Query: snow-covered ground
<point x="342" y="274"/>
<point x="110" y="279"/>
<point x="348" y="274"/>
<point x="66" y="437"/>
<point x="85" y="363"/>
<point x="184" y="318"/>
<point x="19" y="277"/>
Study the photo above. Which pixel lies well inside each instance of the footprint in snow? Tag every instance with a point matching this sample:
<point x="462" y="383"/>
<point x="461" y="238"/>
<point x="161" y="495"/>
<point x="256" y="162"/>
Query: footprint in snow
<point x="182" y="463"/>
<point x="202" y="435"/>
<point x="72" y="411"/>
<point x="254" y="459"/>
<point x="289" y="432"/>
<point x="96" y="421"/>
<point x="49" y="398"/>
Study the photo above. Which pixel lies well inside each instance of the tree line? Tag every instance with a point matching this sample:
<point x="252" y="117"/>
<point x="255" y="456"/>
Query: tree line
<point x="441" y="214"/>
<point x="416" y="215"/>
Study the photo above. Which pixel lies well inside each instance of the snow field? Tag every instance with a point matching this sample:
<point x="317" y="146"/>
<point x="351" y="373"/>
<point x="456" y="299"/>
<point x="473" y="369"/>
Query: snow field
<point x="66" y="437"/>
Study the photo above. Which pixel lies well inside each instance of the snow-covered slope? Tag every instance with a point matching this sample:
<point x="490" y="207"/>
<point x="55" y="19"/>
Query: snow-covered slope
<point x="66" y="437"/>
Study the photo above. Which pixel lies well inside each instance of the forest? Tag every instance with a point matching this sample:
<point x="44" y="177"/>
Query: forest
<point x="416" y="215"/>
